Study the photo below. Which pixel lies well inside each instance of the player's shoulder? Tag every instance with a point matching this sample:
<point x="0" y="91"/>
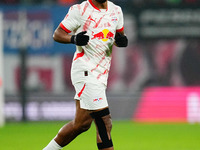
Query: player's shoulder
<point x="114" y="6"/>
<point x="79" y="7"/>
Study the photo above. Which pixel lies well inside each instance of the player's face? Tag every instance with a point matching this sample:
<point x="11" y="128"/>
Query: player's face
<point x="101" y="1"/>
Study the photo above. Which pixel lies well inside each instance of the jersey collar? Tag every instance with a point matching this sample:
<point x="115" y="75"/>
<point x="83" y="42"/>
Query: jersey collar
<point x="91" y="3"/>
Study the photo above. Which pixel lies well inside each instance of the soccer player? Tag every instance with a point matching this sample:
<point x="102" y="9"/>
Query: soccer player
<point x="94" y="26"/>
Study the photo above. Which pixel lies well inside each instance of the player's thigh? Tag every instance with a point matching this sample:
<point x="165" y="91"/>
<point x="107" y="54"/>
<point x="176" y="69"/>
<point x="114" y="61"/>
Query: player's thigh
<point x="82" y="116"/>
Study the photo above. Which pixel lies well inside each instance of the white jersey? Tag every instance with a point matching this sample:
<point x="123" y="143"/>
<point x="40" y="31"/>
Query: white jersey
<point x="92" y="62"/>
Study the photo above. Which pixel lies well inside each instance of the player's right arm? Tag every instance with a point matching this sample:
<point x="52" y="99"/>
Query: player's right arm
<point x="61" y="35"/>
<point x="70" y="23"/>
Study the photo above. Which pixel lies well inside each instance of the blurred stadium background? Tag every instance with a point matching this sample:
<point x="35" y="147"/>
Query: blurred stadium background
<point x="156" y="79"/>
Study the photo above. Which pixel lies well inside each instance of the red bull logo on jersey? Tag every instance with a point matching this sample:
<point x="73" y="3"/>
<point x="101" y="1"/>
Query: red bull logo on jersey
<point x="97" y="99"/>
<point x="104" y="35"/>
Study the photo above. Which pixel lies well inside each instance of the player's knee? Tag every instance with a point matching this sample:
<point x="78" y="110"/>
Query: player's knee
<point x="108" y="122"/>
<point x="104" y="125"/>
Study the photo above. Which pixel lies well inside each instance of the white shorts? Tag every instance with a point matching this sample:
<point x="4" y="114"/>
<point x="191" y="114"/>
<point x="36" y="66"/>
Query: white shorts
<point x="91" y="96"/>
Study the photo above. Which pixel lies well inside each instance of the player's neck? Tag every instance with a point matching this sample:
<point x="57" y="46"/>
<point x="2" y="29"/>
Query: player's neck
<point x="100" y="5"/>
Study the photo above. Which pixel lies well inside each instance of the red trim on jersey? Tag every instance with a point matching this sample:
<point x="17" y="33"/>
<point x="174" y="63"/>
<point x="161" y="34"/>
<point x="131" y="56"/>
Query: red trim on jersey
<point x="64" y="28"/>
<point x="94" y="5"/>
<point x="120" y="30"/>
<point x="90" y="1"/>
<point x="78" y="55"/>
<point x="81" y="92"/>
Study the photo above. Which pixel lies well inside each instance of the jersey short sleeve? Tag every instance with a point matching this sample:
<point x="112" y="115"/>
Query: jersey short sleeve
<point x="120" y="25"/>
<point x="72" y="20"/>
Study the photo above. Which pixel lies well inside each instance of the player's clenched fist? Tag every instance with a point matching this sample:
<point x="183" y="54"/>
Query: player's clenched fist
<point x="80" y="39"/>
<point x="121" y="40"/>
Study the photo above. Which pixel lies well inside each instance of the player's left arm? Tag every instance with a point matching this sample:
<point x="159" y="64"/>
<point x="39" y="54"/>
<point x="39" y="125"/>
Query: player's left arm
<point x="120" y="37"/>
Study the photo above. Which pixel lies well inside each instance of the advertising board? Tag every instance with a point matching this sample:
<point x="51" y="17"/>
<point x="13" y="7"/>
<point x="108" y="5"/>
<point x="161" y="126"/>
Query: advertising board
<point x="32" y="27"/>
<point x="167" y="22"/>
<point x="169" y="104"/>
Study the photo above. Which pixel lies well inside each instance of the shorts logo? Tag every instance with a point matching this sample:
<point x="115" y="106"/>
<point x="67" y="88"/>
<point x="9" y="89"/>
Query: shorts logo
<point x="97" y="99"/>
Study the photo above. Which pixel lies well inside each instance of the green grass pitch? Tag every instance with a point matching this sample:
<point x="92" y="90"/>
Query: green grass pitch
<point x="126" y="135"/>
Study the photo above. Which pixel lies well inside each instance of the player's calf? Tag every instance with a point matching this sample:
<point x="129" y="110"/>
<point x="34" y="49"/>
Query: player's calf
<point x="71" y="130"/>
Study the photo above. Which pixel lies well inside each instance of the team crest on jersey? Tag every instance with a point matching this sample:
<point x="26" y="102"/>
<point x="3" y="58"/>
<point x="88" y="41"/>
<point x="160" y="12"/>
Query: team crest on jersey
<point x="104" y="35"/>
<point x="114" y="19"/>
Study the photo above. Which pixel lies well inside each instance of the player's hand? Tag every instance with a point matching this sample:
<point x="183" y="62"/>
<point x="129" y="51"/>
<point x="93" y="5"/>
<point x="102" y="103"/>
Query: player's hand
<point x="80" y="39"/>
<point x="121" y="40"/>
